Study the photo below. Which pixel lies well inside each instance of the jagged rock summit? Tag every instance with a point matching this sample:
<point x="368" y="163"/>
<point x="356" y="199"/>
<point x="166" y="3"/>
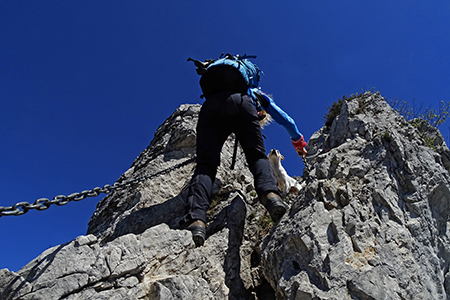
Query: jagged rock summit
<point x="372" y="222"/>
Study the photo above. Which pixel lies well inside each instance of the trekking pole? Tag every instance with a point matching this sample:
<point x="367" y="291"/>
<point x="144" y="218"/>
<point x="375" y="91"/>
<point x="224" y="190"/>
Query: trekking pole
<point x="233" y="161"/>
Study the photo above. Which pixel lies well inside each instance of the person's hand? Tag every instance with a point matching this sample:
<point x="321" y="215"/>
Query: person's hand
<point x="301" y="152"/>
<point x="299" y="146"/>
<point x="262" y="114"/>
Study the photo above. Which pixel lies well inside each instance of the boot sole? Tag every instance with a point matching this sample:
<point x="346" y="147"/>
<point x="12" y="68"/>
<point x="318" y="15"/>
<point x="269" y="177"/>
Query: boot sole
<point x="276" y="213"/>
<point x="198" y="235"/>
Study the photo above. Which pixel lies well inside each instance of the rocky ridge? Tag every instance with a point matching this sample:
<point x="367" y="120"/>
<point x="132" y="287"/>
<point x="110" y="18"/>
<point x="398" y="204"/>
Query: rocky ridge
<point x="370" y="223"/>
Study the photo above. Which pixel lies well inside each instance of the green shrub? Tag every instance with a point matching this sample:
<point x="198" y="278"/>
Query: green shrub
<point x="335" y="108"/>
<point x="333" y="112"/>
<point x="431" y="116"/>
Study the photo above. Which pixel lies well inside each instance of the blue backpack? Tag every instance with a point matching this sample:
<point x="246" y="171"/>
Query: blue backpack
<point x="249" y="71"/>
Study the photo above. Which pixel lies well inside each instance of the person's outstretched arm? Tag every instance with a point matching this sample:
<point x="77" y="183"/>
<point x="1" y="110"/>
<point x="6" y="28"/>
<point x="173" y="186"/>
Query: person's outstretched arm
<point x="283" y="119"/>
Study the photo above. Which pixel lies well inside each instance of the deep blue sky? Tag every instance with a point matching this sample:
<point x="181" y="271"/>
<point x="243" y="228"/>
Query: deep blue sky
<point x="85" y="84"/>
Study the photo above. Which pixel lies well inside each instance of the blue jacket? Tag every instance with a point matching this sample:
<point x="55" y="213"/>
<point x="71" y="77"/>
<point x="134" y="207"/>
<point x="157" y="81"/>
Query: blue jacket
<point x="276" y="112"/>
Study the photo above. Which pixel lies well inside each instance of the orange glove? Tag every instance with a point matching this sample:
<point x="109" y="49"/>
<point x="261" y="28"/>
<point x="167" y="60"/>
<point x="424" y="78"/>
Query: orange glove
<point x="299" y="146"/>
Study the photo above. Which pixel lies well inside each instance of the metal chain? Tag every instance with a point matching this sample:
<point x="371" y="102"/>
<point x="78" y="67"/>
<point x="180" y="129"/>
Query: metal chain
<point x="21" y="208"/>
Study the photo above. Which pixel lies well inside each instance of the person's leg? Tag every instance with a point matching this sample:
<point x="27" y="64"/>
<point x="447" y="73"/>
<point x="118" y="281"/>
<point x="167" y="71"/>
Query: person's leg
<point x="248" y="132"/>
<point x="208" y="158"/>
<point x="210" y="138"/>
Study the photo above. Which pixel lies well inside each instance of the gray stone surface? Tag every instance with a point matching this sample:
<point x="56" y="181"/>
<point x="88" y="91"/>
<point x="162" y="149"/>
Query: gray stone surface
<point x="134" y="248"/>
<point x="372" y="222"/>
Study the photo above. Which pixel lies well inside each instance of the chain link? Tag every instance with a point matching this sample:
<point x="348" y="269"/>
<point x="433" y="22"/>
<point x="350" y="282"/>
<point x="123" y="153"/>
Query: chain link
<point x="21" y="208"/>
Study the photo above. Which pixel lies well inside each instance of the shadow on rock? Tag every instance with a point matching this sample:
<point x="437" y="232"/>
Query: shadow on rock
<point x="232" y="217"/>
<point x="168" y="212"/>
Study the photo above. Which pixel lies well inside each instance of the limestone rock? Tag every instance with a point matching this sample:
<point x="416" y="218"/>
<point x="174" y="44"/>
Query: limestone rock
<point x="372" y="222"/>
<point x="134" y="248"/>
<point x="169" y="162"/>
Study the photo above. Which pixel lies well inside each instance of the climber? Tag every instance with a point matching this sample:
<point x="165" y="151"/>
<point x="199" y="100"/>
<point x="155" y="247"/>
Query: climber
<point x="234" y="103"/>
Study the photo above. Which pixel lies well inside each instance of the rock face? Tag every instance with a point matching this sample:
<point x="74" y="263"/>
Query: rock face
<point x="372" y="222"/>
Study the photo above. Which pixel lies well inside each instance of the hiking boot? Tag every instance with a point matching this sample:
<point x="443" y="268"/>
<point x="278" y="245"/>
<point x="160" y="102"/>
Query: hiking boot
<point x="274" y="205"/>
<point x="198" y="232"/>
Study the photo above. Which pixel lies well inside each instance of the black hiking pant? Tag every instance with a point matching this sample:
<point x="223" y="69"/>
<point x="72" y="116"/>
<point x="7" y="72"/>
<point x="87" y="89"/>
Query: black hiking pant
<point x="220" y="115"/>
